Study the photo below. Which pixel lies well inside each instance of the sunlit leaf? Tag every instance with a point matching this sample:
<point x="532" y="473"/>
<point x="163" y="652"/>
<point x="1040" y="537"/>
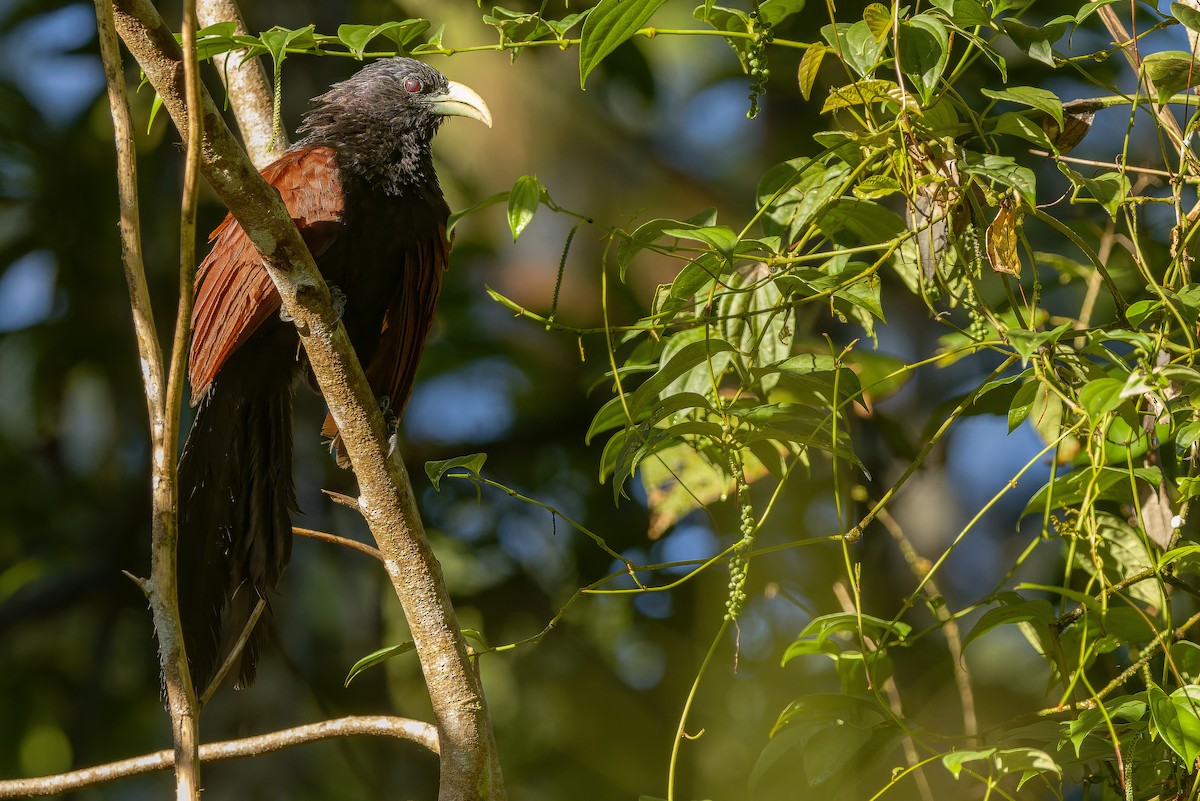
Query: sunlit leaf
<point x="610" y="24"/>
<point x="523" y="202"/>
<point x="437" y="470"/>
<point x="954" y="760"/>
<point x="879" y="20"/>
<point x="1175" y="718"/>
<point x="376" y="658"/>
<point x="810" y="65"/>
<point x="1041" y="99"/>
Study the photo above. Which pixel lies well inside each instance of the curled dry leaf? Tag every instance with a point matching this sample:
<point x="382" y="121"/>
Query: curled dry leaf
<point x="1078" y="116"/>
<point x="1002" y="239"/>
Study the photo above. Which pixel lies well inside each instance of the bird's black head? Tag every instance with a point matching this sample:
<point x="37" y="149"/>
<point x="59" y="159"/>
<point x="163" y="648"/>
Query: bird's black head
<point x="381" y="120"/>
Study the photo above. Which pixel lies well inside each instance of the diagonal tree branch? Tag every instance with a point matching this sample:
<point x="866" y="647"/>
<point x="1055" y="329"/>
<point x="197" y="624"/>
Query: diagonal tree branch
<point x="470" y="767"/>
<point x="416" y="731"/>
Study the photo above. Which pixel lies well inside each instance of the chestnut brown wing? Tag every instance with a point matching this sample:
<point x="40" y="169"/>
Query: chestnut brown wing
<point x="234" y="294"/>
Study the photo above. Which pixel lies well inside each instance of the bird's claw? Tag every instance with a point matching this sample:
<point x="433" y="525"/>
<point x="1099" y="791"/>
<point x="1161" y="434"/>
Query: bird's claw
<point x="337" y="298"/>
<point x="391" y="423"/>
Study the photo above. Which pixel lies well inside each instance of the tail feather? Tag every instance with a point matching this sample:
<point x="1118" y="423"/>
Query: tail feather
<point x="235" y="534"/>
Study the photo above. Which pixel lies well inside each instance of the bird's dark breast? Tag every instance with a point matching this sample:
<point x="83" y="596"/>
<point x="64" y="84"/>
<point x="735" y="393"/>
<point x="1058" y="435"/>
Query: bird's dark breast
<point x="369" y="258"/>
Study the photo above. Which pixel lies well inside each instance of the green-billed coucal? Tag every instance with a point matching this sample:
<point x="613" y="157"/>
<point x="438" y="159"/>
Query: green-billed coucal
<point x="361" y="187"/>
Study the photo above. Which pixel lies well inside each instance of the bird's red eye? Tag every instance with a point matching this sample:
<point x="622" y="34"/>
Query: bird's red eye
<point x="413" y="86"/>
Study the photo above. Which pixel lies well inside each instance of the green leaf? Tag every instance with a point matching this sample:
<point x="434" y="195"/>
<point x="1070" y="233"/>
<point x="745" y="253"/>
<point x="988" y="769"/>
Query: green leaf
<point x="1029" y="762"/>
<point x="832" y="750"/>
<point x="812" y="638"/>
<point x="879" y="20"/>
<point x="819" y="710"/>
<point x="733" y="20"/>
<point x="616" y="411"/>
<point x="876" y="186"/>
<point x="1103" y="483"/>
<point x="1027" y="343"/>
<point x="1091" y="8"/>
<point x="561" y="27"/>
<point x="1140" y="311"/>
<point x="816" y="374"/>
<point x="1022" y="403"/>
<point x="1174" y="717"/>
<point x="1175" y="554"/>
<point x="682" y="292"/>
<point x="954" y="760"/>
<point x="610" y="24"/>
<point x="436" y="471"/>
<point x="1036" y="42"/>
<point x="1016" y="124"/>
<point x="924" y="51"/>
<point x="866" y="92"/>
<point x="783" y="748"/>
<point x="675" y="365"/>
<point x="965" y="13"/>
<point x="852" y="221"/>
<point x="1127" y="708"/>
<point x="523" y="202"/>
<point x="433" y="43"/>
<point x="516" y="26"/>
<point x="795" y="193"/>
<point x="277" y="40"/>
<point x="1120" y="552"/>
<point x="774" y="12"/>
<point x="1187" y="300"/>
<point x="719" y="237"/>
<point x="650" y="232"/>
<point x="356" y="38"/>
<point x="214" y="39"/>
<point x="643" y="443"/>
<point x="1101" y="396"/>
<point x="1172" y="71"/>
<point x="856" y="44"/>
<point x="1018" y="611"/>
<point x="1005" y="171"/>
<point x="1040" y="99"/>
<point x="378" y="657"/>
<point x="756" y="321"/>
<point x="1189" y="16"/>
<point x="810" y="64"/>
<point x="1185" y="658"/>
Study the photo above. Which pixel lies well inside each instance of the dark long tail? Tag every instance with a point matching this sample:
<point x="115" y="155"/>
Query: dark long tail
<point x="235" y="533"/>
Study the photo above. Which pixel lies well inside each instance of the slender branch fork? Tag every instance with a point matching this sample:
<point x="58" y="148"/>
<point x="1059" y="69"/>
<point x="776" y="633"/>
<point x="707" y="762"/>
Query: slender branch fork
<point x="470" y="767"/>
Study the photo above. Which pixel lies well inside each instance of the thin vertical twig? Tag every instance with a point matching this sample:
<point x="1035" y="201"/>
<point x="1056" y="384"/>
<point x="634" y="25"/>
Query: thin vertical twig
<point x="246" y="86"/>
<point x="889" y="689"/>
<point x="164" y="425"/>
<point x="920" y="567"/>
